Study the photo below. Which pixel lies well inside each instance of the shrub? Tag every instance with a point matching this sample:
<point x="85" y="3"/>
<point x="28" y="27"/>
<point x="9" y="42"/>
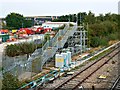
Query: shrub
<point x="94" y="41"/>
<point x="10" y="82"/>
<point x="113" y="36"/>
<point x="20" y="49"/>
<point x="104" y="42"/>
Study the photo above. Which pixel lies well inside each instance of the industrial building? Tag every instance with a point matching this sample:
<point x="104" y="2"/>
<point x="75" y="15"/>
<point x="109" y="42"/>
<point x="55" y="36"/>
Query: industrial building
<point x="38" y="20"/>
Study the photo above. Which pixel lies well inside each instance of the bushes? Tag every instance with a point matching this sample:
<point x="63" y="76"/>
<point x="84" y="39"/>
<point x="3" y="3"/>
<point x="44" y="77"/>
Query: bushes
<point x="95" y="41"/>
<point x="102" y="33"/>
<point x="13" y="50"/>
<point x="104" y="41"/>
<point x="20" y="49"/>
<point x="113" y="36"/>
<point x="10" y="82"/>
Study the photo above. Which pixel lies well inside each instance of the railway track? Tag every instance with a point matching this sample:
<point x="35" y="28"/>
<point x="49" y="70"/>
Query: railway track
<point x="116" y="85"/>
<point x="77" y="79"/>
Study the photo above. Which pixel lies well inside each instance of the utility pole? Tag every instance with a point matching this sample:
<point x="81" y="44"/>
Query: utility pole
<point x="81" y="35"/>
<point x="88" y="41"/>
<point x="77" y="19"/>
<point x="81" y="40"/>
<point x="80" y="19"/>
<point x="69" y="20"/>
<point x="84" y="35"/>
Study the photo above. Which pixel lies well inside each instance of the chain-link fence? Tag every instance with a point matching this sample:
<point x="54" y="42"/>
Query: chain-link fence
<point x="22" y="66"/>
<point x="16" y="65"/>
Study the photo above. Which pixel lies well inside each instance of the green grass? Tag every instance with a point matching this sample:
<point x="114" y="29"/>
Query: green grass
<point x="92" y="59"/>
<point x="100" y="55"/>
<point x="77" y="67"/>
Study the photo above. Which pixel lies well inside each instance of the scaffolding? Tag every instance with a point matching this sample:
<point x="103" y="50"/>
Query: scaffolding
<point x="78" y="41"/>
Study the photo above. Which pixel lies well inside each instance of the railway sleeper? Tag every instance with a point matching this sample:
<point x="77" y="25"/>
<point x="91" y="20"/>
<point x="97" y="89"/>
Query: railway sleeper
<point x="73" y="81"/>
<point x="118" y="85"/>
<point x="65" y="88"/>
<point x="76" y="79"/>
<point x="117" y="88"/>
<point x="68" y="86"/>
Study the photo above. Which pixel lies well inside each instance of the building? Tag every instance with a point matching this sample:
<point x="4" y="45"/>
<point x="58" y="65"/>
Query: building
<point x="53" y="25"/>
<point x="38" y="20"/>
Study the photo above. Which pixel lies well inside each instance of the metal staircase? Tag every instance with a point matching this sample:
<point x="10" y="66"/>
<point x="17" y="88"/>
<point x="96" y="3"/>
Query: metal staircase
<point x="50" y="47"/>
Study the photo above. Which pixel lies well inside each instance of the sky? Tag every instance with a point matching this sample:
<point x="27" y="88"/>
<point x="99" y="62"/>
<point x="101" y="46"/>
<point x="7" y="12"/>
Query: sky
<point x="57" y="7"/>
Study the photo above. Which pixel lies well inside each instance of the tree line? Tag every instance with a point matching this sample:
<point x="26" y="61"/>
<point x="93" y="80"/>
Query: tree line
<point x="101" y="28"/>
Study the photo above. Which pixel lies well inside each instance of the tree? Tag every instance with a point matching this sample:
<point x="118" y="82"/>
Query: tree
<point x="100" y="18"/>
<point x="108" y="16"/>
<point x="16" y="21"/>
<point x="100" y="27"/>
<point x="90" y="18"/>
<point x="27" y="23"/>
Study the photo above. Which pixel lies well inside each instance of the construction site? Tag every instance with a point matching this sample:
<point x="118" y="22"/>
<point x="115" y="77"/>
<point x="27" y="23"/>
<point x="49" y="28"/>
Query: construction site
<point x="68" y="55"/>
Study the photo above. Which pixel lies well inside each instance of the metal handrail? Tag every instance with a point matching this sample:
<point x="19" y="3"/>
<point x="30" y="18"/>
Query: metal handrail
<point x="46" y="45"/>
<point x="57" y="44"/>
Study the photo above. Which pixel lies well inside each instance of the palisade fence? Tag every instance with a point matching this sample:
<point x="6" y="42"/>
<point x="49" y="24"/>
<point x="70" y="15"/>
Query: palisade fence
<point x="20" y="64"/>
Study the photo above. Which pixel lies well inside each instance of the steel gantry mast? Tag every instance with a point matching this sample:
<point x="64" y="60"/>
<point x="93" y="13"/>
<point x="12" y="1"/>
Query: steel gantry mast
<point x="79" y="38"/>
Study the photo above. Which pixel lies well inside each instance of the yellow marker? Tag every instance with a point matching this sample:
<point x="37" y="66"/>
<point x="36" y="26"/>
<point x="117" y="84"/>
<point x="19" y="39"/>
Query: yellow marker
<point x="60" y="60"/>
<point x="102" y="76"/>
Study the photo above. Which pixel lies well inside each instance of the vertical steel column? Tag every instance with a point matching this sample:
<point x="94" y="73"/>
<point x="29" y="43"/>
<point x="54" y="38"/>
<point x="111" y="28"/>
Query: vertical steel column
<point x="84" y="48"/>
<point x="81" y="41"/>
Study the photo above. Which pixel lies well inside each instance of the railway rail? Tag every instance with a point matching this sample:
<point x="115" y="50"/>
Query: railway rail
<point x="39" y="83"/>
<point x="77" y="79"/>
<point x="116" y="85"/>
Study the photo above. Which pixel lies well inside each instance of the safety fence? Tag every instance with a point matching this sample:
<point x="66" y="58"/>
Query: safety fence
<point x="21" y="64"/>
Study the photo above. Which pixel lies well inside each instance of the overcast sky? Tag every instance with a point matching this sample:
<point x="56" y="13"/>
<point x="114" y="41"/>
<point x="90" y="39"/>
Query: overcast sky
<point x="57" y="7"/>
